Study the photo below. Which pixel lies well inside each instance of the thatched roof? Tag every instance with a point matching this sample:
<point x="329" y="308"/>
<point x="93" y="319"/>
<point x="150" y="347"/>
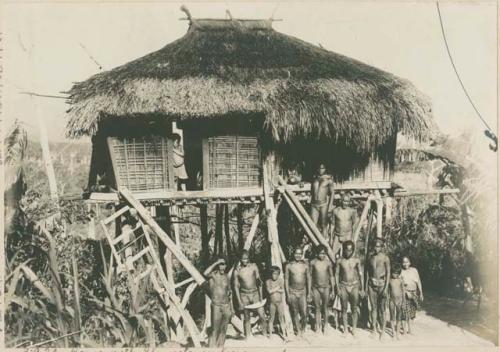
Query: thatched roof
<point x="222" y="67"/>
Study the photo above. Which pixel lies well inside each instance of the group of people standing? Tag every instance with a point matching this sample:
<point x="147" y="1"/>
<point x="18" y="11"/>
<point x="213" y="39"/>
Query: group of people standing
<point x="318" y="281"/>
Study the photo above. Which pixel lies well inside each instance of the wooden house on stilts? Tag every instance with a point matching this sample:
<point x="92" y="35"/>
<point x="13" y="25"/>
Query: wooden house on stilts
<point x="251" y="103"/>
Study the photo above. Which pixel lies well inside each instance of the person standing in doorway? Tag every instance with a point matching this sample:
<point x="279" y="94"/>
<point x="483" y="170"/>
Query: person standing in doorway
<point x="180" y="174"/>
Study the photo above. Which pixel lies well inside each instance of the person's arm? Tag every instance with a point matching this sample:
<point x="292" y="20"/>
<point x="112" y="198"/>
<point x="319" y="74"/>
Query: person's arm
<point x="337" y="274"/>
<point x="419" y="285"/>
<point x="287" y="286"/>
<point x="211" y="267"/>
<point x="259" y="282"/>
<point x="280" y="286"/>
<point x="309" y="283"/>
<point x="332" y="279"/>
<point x="354" y="219"/>
<point x="387" y="264"/>
<point x="360" y="274"/>
<point x="237" y="289"/>
<point x="332" y="195"/>
<point x="179" y="151"/>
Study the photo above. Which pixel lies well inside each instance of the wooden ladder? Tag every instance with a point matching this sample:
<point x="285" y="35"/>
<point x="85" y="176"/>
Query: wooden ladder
<point x="146" y="259"/>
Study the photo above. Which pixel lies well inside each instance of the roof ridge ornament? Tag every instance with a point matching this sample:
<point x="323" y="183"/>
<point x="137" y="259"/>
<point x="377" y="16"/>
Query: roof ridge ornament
<point x="188" y="13"/>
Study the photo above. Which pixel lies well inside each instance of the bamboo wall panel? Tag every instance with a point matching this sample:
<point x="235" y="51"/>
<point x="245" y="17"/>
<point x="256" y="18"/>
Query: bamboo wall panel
<point x="233" y="161"/>
<point x="142" y="164"/>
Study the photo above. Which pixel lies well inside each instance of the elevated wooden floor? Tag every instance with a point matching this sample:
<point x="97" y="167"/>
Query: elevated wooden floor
<point x="238" y="195"/>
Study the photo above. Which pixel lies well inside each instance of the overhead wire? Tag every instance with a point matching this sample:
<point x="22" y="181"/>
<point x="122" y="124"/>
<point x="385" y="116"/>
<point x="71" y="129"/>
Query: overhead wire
<point x="489" y="132"/>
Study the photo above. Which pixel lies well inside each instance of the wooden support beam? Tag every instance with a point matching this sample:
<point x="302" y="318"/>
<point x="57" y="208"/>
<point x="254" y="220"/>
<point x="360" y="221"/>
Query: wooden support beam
<point x="301" y="220"/>
<point x="380" y="217"/>
<point x="205" y="236"/>
<point x="239" y="220"/>
<point x="307" y="219"/>
<point x="227" y="230"/>
<point x="253" y="229"/>
<point x="362" y="218"/>
<point x="388" y="209"/>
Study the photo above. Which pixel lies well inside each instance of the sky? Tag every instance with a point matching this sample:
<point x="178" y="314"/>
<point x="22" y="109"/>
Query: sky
<point x="50" y="45"/>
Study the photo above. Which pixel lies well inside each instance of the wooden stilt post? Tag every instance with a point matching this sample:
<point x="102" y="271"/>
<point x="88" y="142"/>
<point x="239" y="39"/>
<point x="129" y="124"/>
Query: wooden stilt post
<point x="380" y="218"/>
<point x="388" y="209"/>
<point x="218" y="244"/>
<point x="272" y="226"/>
<point x="239" y="215"/>
<point x="205" y="239"/>
<point x="253" y="229"/>
<point x="227" y="231"/>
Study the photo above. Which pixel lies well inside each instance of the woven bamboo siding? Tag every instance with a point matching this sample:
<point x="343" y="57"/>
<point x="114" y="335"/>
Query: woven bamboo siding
<point x="142" y="164"/>
<point x="374" y="172"/>
<point x="232" y="161"/>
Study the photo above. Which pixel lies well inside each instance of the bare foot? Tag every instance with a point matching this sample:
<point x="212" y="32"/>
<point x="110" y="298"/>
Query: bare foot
<point x="373" y="334"/>
<point x="354" y="333"/>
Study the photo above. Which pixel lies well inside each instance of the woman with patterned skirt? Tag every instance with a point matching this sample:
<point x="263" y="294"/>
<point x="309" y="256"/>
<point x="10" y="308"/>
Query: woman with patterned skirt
<point x="413" y="292"/>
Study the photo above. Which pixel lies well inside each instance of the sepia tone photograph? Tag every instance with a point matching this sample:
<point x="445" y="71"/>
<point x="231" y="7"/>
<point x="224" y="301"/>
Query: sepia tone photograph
<point x="240" y="175"/>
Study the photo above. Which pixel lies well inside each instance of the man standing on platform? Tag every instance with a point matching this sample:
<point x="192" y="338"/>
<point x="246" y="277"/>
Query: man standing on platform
<point x="219" y="291"/>
<point x="344" y="222"/>
<point x="322" y="194"/>
<point x="248" y="289"/>
<point x="379" y="274"/>
<point x="298" y="289"/>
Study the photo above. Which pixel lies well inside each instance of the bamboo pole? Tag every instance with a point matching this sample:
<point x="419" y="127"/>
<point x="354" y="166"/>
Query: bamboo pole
<point x="253" y="229"/>
<point x="380" y="209"/>
<point x="308" y="220"/>
<point x="227" y="230"/>
<point x="362" y="217"/>
<point x="301" y="220"/>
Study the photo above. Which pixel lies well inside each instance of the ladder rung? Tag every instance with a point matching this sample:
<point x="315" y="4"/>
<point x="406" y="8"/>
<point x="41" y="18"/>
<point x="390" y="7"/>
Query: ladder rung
<point x="123" y="235"/>
<point x="139" y="255"/>
<point x="116" y="215"/>
<point x="128" y="244"/>
<point x="144" y="273"/>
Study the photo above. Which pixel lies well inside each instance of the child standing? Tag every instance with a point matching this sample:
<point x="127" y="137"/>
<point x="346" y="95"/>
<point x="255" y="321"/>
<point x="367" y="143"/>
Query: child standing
<point x="396" y="300"/>
<point x="275" y="289"/>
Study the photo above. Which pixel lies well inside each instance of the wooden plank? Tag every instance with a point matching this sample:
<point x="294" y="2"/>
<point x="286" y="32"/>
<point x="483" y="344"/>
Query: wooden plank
<point x="380" y="209"/>
<point x="253" y="230"/>
<point x="206" y="164"/>
<point x="116" y="215"/>
<point x="109" y="141"/>
<point x="308" y="220"/>
<point x="170" y="165"/>
<point x="188" y="195"/>
<point x="301" y="220"/>
<point x="364" y="214"/>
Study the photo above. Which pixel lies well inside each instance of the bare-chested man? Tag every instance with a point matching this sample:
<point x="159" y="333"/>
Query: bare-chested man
<point x="322" y="286"/>
<point x="349" y="282"/>
<point x="344" y="221"/>
<point x="298" y="289"/>
<point x="321" y="198"/>
<point x="379" y="274"/>
<point x="219" y="290"/>
<point x="248" y="289"/>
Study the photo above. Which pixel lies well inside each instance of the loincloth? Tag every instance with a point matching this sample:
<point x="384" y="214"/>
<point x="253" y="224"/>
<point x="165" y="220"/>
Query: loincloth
<point x="249" y="296"/>
<point x="318" y="205"/>
<point x="347" y="286"/>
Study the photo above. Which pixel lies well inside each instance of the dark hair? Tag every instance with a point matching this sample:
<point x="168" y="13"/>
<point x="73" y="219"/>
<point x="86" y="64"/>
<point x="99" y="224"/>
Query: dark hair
<point x="176" y="137"/>
<point x="245" y="251"/>
<point x="320" y="248"/>
<point x="275" y="268"/>
<point x="347" y="243"/>
<point x="396" y="269"/>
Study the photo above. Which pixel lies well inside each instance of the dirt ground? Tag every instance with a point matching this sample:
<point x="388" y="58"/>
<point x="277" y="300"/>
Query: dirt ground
<point x="442" y="322"/>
